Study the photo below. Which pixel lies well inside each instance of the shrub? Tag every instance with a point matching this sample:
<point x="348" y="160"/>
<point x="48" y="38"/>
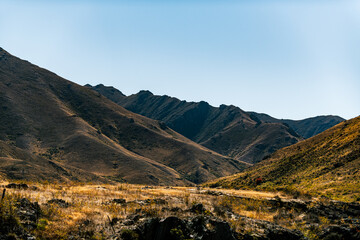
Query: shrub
<point x="177" y="234"/>
<point x="42" y="223"/>
<point x="128" y="234"/>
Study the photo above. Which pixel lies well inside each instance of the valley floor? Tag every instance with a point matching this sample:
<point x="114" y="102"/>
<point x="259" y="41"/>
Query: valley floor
<point x="125" y="211"/>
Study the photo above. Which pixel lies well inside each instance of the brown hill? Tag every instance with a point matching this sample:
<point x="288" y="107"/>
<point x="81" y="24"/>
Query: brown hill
<point x="227" y="130"/>
<point x="49" y="117"/>
<point x="327" y="164"/>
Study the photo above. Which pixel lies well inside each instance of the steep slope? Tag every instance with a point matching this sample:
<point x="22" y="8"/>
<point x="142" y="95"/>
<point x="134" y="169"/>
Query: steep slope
<point x="227" y="130"/>
<point x="46" y="115"/>
<point x="327" y="164"/>
<point x="306" y="128"/>
<point x="16" y="163"/>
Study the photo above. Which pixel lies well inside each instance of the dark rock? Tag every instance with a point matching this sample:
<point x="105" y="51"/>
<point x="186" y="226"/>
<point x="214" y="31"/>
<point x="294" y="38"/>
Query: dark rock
<point x="339" y="232"/>
<point x="264" y="230"/>
<point x="28" y="213"/>
<point x="197" y="208"/>
<point x="312" y="218"/>
<point x="189" y="228"/>
<point x="221" y="230"/>
<point x="280" y="233"/>
<point x="128" y="234"/>
<point x="118" y="201"/>
<point x="135" y="217"/>
<point x="114" y="221"/>
<point x="158" y="201"/>
<point x="148" y="230"/>
<point x="128" y="222"/>
<point x="85" y="230"/>
<point x="156" y="229"/>
<point x="27" y="210"/>
<point x="213" y="193"/>
<point x="166" y="225"/>
<point x="176" y="209"/>
<point x="15" y="226"/>
<point x="17" y="186"/>
<point x="34" y="188"/>
<point x="60" y="202"/>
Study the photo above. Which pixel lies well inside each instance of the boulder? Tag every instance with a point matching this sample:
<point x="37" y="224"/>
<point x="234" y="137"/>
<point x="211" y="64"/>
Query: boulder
<point x="17" y="186"/>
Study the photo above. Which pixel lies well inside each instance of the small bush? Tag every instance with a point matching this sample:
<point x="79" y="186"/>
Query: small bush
<point x="42" y="223"/>
<point x="128" y="234"/>
<point x="177" y="234"/>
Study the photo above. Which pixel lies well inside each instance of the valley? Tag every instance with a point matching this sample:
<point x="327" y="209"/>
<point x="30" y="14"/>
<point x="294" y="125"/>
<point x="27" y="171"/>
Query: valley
<point x="83" y="162"/>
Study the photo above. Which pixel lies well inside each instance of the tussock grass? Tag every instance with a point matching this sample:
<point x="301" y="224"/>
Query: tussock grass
<point x="92" y="210"/>
<point x="93" y="204"/>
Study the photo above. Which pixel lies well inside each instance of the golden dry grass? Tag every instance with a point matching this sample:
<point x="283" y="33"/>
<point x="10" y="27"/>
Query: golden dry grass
<point x="94" y="202"/>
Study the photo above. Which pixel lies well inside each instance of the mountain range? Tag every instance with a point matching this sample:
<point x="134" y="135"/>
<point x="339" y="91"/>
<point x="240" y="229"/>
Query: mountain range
<point x="228" y="130"/>
<point x="52" y="127"/>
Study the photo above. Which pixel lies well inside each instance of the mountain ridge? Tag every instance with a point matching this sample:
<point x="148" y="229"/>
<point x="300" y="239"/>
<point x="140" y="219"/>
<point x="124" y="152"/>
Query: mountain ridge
<point x="227" y="130"/>
<point x="57" y="120"/>
<point x="307" y="127"/>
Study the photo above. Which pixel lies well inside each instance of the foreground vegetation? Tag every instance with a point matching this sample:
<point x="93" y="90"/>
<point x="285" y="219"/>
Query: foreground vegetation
<point x="61" y="211"/>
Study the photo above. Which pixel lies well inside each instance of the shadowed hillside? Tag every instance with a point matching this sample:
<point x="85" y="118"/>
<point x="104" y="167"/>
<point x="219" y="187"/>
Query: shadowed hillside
<point x="327" y="164"/>
<point x="227" y="129"/>
<point x="54" y="119"/>
<point x="247" y="136"/>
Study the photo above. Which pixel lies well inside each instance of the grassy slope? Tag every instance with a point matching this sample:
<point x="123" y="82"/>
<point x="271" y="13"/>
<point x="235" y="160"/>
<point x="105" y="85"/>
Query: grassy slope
<point x="16" y="163"/>
<point x="327" y="164"/>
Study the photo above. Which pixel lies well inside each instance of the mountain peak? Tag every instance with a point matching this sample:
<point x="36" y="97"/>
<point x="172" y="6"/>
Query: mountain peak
<point x="145" y="92"/>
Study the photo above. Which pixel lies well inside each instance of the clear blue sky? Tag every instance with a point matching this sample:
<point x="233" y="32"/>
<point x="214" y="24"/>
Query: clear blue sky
<point x="290" y="59"/>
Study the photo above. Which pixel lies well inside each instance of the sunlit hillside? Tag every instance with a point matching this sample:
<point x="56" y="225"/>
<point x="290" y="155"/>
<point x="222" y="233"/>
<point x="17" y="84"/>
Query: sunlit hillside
<point x="325" y="165"/>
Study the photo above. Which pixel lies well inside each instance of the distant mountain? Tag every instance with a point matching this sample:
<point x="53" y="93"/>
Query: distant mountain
<point x="227" y="130"/>
<point x="327" y="165"/>
<point x="51" y="126"/>
<point x="306" y="128"/>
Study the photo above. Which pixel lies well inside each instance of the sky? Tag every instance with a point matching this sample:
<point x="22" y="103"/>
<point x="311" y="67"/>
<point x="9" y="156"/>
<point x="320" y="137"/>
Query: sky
<point x="289" y="59"/>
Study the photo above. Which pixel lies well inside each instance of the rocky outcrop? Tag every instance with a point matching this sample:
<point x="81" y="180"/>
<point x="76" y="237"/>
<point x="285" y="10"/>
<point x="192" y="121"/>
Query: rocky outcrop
<point x="20" y="223"/>
<point x="204" y="228"/>
<point x="340" y="232"/>
<point x="191" y="228"/>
